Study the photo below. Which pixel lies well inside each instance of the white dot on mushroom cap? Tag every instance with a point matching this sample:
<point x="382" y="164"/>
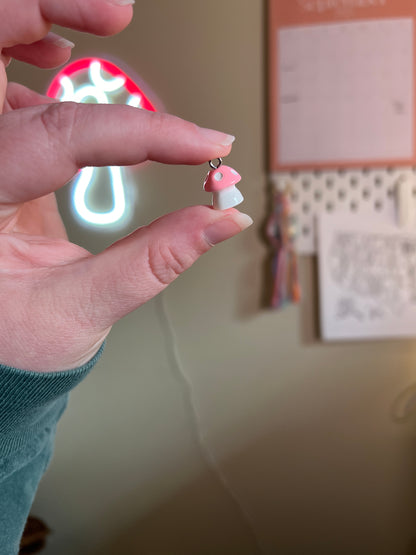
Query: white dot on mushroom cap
<point x="218" y="176"/>
<point x="234" y="172"/>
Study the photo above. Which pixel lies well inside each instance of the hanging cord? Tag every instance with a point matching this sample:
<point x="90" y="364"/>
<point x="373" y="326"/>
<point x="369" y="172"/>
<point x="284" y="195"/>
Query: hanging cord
<point x="208" y="456"/>
<point x="281" y="234"/>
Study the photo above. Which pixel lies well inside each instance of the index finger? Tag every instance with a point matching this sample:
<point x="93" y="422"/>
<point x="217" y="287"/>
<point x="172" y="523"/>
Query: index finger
<point x="42" y="147"/>
<point x="25" y="22"/>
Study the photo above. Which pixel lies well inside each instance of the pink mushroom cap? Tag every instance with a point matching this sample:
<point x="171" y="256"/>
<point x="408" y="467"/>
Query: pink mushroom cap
<point x="221" y="178"/>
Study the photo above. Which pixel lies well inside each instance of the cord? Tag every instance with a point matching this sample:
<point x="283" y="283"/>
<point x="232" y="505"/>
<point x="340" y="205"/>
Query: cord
<point x="177" y="366"/>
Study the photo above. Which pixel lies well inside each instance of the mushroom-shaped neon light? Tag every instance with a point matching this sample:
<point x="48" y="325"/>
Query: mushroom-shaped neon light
<point x="221" y="183"/>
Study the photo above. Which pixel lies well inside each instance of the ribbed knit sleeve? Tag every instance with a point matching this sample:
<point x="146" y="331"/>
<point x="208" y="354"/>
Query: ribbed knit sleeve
<point x="31" y="404"/>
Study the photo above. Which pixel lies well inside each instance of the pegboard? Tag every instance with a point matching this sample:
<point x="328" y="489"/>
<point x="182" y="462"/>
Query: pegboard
<point x="360" y="192"/>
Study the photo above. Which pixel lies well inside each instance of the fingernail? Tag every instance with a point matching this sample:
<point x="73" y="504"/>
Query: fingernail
<point x="217" y="137"/>
<point x="6" y="60"/>
<point x="227" y="228"/>
<point x="59" y="41"/>
<point x="121" y="2"/>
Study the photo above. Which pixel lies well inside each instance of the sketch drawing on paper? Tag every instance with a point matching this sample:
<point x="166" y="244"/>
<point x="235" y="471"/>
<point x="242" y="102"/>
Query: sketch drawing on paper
<point x="375" y="272"/>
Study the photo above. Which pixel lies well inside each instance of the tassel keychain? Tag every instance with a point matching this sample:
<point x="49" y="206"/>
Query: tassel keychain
<point x="281" y="234"/>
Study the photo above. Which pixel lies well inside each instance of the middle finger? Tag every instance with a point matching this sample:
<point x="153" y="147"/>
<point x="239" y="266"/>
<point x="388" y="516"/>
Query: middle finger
<point x="25" y="22"/>
<point x="51" y="51"/>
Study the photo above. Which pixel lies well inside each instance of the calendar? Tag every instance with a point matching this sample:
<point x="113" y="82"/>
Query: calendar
<point x="342" y="83"/>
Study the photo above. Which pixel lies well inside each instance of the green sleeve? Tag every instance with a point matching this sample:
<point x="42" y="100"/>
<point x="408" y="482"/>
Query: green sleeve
<point x="31" y="404"/>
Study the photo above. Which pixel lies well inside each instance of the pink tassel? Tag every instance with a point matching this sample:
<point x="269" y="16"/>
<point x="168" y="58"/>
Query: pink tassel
<point x="281" y="234"/>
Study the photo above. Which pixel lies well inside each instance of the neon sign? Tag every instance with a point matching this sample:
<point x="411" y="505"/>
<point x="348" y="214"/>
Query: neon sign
<point x="98" y="81"/>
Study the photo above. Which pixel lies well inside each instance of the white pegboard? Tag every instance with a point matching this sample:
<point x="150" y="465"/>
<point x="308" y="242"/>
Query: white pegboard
<point x="357" y="191"/>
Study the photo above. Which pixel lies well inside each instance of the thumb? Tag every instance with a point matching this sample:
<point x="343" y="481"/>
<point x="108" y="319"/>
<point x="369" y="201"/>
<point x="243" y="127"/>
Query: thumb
<point x="138" y="267"/>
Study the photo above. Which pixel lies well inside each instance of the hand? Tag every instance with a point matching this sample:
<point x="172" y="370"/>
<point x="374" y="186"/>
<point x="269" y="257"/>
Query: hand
<point x="58" y="302"/>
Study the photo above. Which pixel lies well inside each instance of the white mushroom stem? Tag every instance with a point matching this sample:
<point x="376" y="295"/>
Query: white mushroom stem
<point x="227" y="198"/>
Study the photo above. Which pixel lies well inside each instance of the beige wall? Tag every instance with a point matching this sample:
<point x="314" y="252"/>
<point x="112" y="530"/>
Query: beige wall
<point x="274" y="443"/>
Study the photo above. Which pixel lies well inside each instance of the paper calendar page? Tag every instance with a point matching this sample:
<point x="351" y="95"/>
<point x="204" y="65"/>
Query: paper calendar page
<point x="367" y="278"/>
<point x="346" y="92"/>
<point x="342" y="83"/>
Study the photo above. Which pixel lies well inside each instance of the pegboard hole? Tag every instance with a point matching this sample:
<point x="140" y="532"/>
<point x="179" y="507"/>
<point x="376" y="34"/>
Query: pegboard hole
<point x="306" y="208"/>
<point x="354" y="206"/>
<point x="378" y="205"/>
<point x="318" y="196"/>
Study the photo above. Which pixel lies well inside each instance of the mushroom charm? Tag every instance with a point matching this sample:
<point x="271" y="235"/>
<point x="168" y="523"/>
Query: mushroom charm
<point x="221" y="183"/>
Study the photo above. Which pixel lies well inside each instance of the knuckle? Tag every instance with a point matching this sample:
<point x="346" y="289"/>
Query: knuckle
<point x="166" y="263"/>
<point x="164" y="124"/>
<point x="159" y="123"/>
<point x="58" y="121"/>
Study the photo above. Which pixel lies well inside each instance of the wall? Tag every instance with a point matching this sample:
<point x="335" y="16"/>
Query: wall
<point x="212" y="425"/>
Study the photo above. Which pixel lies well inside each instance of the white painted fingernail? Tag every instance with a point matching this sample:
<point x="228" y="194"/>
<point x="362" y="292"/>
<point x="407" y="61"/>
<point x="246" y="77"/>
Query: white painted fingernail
<point x="59" y="41"/>
<point x="121" y="2"/>
<point x="227" y="228"/>
<point x="217" y="137"/>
